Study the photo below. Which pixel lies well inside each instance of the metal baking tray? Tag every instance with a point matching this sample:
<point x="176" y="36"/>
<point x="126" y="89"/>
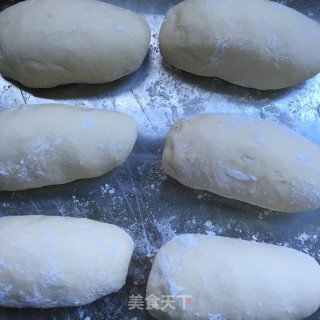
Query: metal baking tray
<point x="138" y="196"/>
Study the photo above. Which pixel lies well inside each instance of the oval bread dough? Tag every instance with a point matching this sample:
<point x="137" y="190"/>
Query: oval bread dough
<point x="231" y="279"/>
<point x="52" y="144"/>
<point x="244" y="158"/>
<point x="51" y="261"/>
<point x="45" y="43"/>
<point x="254" y="43"/>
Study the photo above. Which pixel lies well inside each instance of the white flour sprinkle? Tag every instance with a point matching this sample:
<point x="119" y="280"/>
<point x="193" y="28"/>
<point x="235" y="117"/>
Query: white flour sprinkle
<point x="107" y="189"/>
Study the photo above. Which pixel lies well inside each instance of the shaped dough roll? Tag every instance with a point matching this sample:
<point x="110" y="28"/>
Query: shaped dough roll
<point x="50" y="144"/>
<point x="45" y="43"/>
<point x="208" y="277"/>
<point x="60" y="261"/>
<point x="254" y="43"/>
<point x="244" y="158"/>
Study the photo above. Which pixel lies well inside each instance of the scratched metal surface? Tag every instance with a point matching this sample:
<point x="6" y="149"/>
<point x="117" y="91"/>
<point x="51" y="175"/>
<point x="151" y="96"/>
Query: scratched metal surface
<point x="138" y="196"/>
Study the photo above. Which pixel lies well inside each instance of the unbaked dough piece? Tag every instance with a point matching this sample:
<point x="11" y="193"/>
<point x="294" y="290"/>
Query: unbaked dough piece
<point x="253" y="43"/>
<point x="50" y="144"/>
<point x="244" y="158"/>
<point x="48" y="261"/>
<point x="231" y="279"/>
<point x="45" y="43"/>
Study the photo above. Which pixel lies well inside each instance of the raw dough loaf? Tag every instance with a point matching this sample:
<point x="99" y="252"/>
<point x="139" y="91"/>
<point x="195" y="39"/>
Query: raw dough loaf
<point x="52" y="144"/>
<point x="254" y="43"/>
<point x="60" y="261"/>
<point x="244" y="158"/>
<point x="45" y="43"/>
<point x="230" y="279"/>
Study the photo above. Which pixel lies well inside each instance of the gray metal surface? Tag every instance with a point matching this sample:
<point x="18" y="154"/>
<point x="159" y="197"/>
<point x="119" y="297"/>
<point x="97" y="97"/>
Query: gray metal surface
<point x="138" y="196"/>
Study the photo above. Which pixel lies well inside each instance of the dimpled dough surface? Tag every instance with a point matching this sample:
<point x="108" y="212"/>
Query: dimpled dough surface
<point x="254" y="43"/>
<point x="53" y="144"/>
<point x="45" y="43"/>
<point x="60" y="261"/>
<point x="231" y="279"/>
<point x="244" y="158"/>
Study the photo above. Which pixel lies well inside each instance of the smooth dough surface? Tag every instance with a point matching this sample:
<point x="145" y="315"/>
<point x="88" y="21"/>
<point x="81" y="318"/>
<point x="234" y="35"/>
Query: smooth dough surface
<point x="50" y="144"/>
<point x="244" y="158"/>
<point x="231" y="279"/>
<point x="253" y="43"/>
<point x="45" y="43"/>
<point x="49" y="261"/>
